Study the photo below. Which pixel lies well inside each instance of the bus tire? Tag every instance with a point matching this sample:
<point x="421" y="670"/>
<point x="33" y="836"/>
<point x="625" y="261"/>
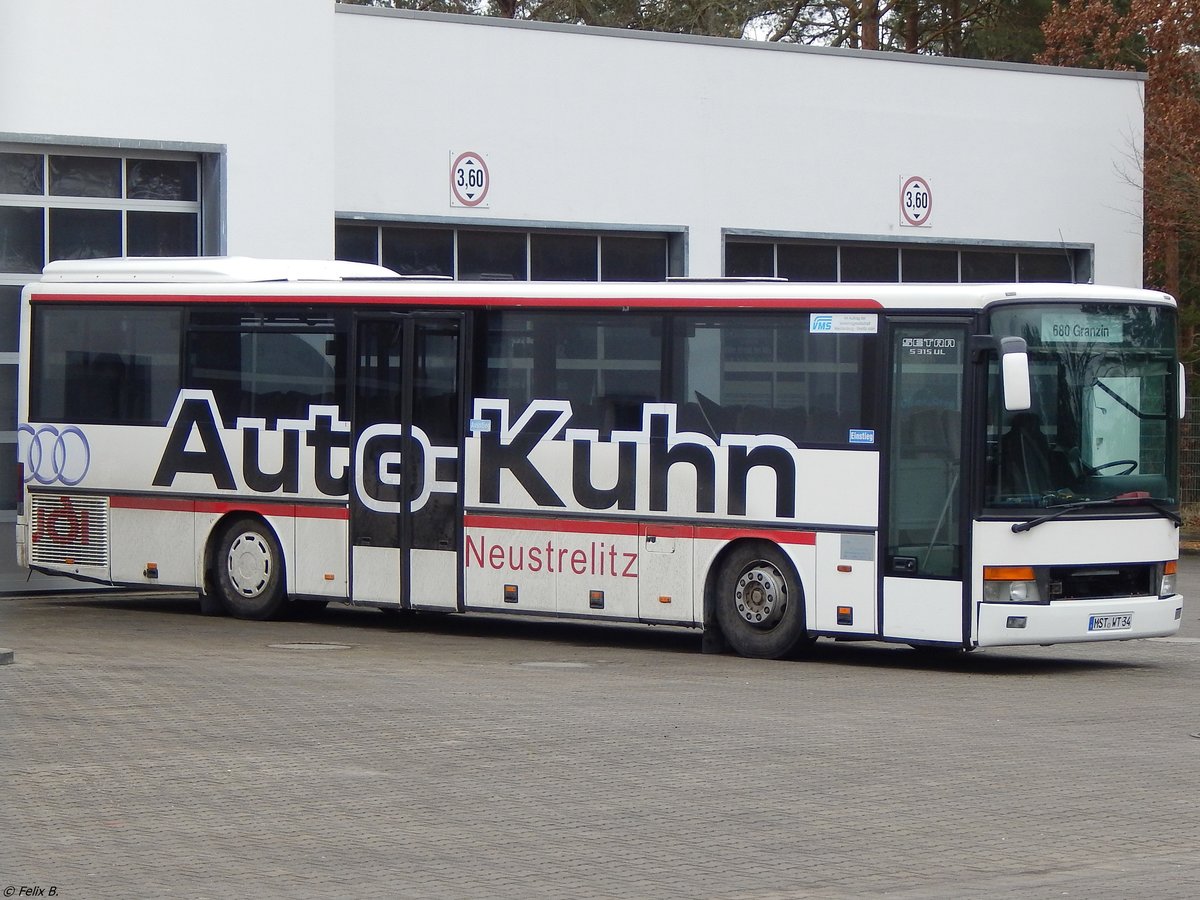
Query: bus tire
<point x="760" y="606"/>
<point x="248" y="572"/>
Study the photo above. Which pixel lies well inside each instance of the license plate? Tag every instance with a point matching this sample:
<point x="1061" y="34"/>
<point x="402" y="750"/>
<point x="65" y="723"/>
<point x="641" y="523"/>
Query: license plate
<point x="1114" y="622"/>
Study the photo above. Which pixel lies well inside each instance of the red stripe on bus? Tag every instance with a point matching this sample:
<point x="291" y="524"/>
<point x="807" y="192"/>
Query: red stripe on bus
<point x="574" y="526"/>
<point x="286" y="510"/>
<point x="163" y="504"/>
<point x="860" y="303"/>
<point x="220" y="507"/>
<point x="653" y="529"/>
<point x="322" y="512"/>
<point x="779" y="537"/>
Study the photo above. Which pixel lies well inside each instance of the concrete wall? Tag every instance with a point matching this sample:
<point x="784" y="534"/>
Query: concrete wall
<point x="323" y="109"/>
<point x="608" y="127"/>
<point x="255" y="77"/>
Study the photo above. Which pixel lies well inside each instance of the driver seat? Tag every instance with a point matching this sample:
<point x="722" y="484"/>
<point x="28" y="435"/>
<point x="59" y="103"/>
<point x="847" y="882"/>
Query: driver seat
<point x="1026" y="465"/>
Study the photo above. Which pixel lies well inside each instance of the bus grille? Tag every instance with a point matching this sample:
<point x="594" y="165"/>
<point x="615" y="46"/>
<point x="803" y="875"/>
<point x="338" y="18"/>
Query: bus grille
<point x="1099" y="582"/>
<point x="69" y="530"/>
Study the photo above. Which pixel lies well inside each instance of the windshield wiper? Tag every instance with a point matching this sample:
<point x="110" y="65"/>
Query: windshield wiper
<point x="1161" y="506"/>
<point x="1130" y="498"/>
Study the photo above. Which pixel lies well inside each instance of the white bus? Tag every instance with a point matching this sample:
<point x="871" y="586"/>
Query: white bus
<point x="955" y="465"/>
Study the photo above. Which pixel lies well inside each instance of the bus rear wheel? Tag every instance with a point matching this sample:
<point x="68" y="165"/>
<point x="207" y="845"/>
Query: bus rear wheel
<point x="760" y="606"/>
<point x="249" y="569"/>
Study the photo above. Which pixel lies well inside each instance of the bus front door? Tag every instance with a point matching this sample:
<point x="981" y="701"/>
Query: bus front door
<point x="923" y="534"/>
<point x="405" y="501"/>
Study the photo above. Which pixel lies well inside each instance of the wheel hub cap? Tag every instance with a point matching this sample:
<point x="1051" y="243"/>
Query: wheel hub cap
<point x="761" y="595"/>
<point x="249" y="564"/>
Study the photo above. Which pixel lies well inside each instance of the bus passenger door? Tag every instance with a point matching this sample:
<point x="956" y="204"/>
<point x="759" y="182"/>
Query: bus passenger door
<point x="405" y="497"/>
<point x="923" y="530"/>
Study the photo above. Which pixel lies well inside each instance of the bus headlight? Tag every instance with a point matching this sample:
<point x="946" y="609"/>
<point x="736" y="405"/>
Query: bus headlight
<point x="1010" y="584"/>
<point x="1166" y="587"/>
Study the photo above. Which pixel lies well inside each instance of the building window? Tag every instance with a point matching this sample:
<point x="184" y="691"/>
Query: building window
<point x="746" y="260"/>
<point x="506" y="254"/>
<point x="80" y="206"/>
<point x="633" y="258"/>
<point x="988" y="265"/>
<point x="832" y="261"/>
<point x="564" y="257"/>
<point x="356" y="243"/>
<point x="416" y="251"/>
<point x="928" y="265"/>
<point x="84" y="233"/>
<point x="807" y="262"/>
<point x="22" y="239"/>
<point x="493" y="256"/>
<point x="1055" y="266"/>
<point x="870" y="264"/>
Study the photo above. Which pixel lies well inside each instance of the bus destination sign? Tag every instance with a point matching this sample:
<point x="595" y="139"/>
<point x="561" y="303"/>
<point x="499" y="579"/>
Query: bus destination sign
<point x="1080" y="328"/>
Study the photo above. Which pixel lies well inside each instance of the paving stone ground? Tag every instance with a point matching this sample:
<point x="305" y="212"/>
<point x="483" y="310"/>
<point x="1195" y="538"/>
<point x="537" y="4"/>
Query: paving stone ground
<point x="146" y="751"/>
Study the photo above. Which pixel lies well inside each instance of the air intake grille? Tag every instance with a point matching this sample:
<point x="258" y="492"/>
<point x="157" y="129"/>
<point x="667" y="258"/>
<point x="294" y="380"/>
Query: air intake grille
<point x="69" y="530"/>
<point x="1100" y="582"/>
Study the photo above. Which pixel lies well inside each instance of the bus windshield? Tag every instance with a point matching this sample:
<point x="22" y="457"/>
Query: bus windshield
<point x="1102" y="424"/>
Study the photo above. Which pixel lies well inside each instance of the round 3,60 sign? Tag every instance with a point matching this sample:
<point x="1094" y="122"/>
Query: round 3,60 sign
<point x="469" y="180"/>
<point x="916" y="201"/>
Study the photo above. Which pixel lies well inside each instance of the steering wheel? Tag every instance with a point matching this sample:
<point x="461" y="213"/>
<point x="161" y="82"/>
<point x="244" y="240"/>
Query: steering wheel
<point x="1132" y="463"/>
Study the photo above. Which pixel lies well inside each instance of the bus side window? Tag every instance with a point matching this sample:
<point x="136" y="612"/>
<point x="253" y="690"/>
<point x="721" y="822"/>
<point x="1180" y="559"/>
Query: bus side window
<point x="267" y="374"/>
<point x="105" y="364"/>
<point x="214" y="363"/>
<point x="285" y="374"/>
<point x="743" y="374"/>
<point x="607" y="365"/>
<point x="108" y="387"/>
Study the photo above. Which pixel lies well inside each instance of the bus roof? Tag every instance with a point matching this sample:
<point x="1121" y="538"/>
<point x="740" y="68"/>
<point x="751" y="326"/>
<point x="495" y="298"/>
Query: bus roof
<point x="208" y="270"/>
<point x="245" y="280"/>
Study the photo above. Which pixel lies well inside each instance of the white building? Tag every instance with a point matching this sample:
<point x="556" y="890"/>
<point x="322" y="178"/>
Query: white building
<point x="304" y="128"/>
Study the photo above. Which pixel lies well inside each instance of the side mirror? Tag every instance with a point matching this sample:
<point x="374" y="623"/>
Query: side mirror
<point x="1014" y="374"/>
<point x="1182" y="392"/>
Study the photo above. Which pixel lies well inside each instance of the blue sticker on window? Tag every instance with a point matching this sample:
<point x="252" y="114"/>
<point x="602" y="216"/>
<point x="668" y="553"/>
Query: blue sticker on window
<point x="862" y="435"/>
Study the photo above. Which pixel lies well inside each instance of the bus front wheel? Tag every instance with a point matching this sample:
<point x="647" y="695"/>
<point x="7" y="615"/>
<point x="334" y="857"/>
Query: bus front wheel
<point x="760" y="607"/>
<point x="249" y="569"/>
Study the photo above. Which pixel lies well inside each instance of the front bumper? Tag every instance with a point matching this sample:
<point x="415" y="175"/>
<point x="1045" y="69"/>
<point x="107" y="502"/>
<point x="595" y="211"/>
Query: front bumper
<point x="1066" y="621"/>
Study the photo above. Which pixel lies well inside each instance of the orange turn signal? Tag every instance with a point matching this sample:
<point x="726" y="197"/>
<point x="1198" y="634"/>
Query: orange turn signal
<point x="1008" y="573"/>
